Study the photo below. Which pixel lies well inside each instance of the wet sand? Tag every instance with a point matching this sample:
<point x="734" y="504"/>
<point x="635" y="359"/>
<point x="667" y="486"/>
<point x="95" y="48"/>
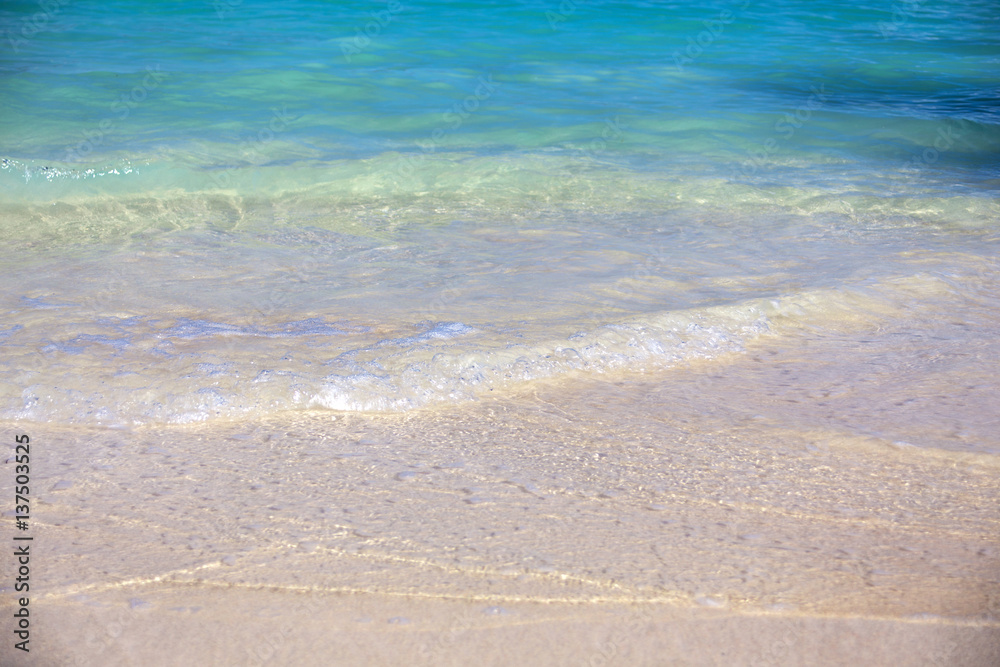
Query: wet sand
<point x="629" y="521"/>
<point x="231" y="626"/>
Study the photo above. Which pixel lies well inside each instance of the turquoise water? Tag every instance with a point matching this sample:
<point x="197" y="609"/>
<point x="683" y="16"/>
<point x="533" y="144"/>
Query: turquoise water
<point x="236" y="208"/>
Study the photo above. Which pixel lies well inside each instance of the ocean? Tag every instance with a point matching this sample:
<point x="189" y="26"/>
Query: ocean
<point x="225" y="210"/>
<point x="421" y="329"/>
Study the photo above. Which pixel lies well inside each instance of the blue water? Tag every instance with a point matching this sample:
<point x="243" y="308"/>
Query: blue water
<point x="710" y="82"/>
<point x="479" y="183"/>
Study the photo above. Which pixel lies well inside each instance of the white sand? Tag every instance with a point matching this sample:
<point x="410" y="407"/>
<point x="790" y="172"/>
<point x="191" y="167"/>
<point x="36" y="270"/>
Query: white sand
<point x="626" y="523"/>
<point x="201" y="625"/>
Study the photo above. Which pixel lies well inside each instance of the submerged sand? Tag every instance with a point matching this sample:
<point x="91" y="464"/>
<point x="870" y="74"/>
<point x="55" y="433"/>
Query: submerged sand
<point x="689" y="518"/>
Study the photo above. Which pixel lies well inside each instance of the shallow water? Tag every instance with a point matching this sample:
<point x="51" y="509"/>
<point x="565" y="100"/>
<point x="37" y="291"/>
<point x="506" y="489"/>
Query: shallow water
<point x="235" y="210"/>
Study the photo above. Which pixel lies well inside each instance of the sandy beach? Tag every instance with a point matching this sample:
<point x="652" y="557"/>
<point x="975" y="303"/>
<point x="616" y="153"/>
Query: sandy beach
<point x="472" y="332"/>
<point x="206" y="625"/>
<point x="583" y="535"/>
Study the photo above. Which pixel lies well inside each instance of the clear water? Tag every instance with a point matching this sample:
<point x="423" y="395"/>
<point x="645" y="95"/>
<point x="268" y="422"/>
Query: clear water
<point x="232" y="209"/>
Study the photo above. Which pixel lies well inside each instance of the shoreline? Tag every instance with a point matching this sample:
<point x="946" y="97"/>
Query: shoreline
<point x="531" y="522"/>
